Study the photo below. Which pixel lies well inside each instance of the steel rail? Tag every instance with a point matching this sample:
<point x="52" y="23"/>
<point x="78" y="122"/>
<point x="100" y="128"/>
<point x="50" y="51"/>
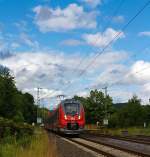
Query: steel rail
<point x="134" y="152"/>
<point x="127" y="138"/>
<point x="93" y="149"/>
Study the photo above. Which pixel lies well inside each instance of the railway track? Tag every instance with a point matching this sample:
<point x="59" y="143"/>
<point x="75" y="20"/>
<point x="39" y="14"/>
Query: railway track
<point x="103" y="149"/>
<point x="108" y="149"/>
<point x="121" y="148"/>
<point x="136" y="139"/>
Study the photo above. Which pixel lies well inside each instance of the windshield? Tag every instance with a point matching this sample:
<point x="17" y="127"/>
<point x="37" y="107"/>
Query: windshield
<point x="71" y="109"/>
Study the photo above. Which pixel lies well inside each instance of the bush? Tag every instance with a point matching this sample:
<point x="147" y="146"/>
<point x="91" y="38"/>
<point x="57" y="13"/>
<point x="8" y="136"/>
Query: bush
<point x="9" y="128"/>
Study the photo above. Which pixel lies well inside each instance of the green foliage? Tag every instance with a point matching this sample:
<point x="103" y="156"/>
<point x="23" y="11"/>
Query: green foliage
<point x="18" y="117"/>
<point x="13" y="103"/>
<point x="97" y="106"/>
<point x="43" y="113"/>
<point x="10" y="128"/>
<point x="9" y="146"/>
<point x="132" y="114"/>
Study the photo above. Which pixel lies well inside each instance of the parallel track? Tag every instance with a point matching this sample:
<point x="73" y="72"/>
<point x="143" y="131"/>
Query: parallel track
<point x="126" y="138"/>
<point x="142" y="154"/>
<point x="94" y="149"/>
<point x="108" y="151"/>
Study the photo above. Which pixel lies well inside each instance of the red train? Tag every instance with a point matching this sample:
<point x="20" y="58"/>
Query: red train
<point x="68" y="118"/>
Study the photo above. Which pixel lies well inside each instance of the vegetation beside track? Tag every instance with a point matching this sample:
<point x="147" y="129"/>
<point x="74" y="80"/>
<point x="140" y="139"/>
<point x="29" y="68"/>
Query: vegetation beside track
<point x="18" y="138"/>
<point x="36" y="145"/>
<point x="131" y="131"/>
<point x="14" y="104"/>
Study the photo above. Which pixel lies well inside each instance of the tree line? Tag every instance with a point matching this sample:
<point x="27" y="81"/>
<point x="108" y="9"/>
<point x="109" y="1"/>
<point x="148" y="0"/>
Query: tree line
<point x="14" y="104"/>
<point x="99" y="106"/>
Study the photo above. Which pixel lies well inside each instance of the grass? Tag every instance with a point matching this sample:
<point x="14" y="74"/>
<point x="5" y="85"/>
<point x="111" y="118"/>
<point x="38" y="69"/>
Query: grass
<point x="39" y="145"/>
<point x="119" y="131"/>
<point x="131" y="131"/>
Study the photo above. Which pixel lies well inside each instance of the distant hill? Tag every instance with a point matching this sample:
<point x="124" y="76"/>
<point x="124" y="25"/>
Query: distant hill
<point x="119" y="105"/>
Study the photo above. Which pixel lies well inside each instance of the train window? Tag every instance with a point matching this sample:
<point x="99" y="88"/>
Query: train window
<point x="71" y="108"/>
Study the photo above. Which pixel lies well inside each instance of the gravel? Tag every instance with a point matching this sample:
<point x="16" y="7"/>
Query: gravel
<point x="66" y="148"/>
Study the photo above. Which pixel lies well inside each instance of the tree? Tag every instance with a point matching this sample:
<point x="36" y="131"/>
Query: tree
<point x="7" y="91"/>
<point x="130" y="115"/>
<point x="97" y="106"/>
<point x="13" y="103"/>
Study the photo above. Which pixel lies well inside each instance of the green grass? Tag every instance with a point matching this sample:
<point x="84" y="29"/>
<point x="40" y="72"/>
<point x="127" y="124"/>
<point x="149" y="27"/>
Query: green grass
<point x="37" y="145"/>
<point x="119" y="131"/>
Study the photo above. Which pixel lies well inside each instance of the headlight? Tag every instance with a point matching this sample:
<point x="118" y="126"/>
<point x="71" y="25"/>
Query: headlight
<point x="79" y="117"/>
<point x="65" y="117"/>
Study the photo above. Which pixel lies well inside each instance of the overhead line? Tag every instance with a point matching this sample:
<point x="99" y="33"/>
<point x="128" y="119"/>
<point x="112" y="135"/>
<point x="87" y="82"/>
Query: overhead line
<point x="115" y="37"/>
<point x="114" y="13"/>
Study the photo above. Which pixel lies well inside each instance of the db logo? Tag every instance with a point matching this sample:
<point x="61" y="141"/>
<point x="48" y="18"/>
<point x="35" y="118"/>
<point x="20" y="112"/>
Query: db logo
<point x="72" y="118"/>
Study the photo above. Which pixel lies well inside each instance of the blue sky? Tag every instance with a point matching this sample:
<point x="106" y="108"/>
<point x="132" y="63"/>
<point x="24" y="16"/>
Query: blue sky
<point x="48" y="39"/>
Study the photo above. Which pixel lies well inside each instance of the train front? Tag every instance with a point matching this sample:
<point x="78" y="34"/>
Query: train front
<point x="72" y="117"/>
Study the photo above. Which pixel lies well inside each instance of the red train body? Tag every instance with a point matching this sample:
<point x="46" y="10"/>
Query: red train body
<point x="68" y="118"/>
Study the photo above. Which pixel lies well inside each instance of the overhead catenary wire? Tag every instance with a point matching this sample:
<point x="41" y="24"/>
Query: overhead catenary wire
<point x="114" y="38"/>
<point x="115" y="12"/>
<point x="136" y="72"/>
<point x="104" y="28"/>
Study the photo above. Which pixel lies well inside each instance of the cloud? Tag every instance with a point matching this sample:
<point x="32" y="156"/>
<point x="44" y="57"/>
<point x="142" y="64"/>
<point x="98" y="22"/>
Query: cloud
<point x="147" y="33"/>
<point x="72" y="42"/>
<point x="25" y="39"/>
<point x="118" y="74"/>
<point x="72" y="17"/>
<point x="15" y="45"/>
<point x="118" y="19"/>
<point x="102" y="39"/>
<point x="92" y="3"/>
<point x="83" y="94"/>
<point x="112" y="75"/>
<point x="139" y="72"/>
<point x="52" y="70"/>
<point x="22" y="26"/>
<point x="41" y="68"/>
<point x="3" y="44"/>
<point x="5" y="54"/>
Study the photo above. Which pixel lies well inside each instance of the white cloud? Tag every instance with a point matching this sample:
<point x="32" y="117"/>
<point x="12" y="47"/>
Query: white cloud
<point x="25" y="39"/>
<point x="3" y="44"/>
<point x="118" y="19"/>
<point x="45" y="69"/>
<point x="15" y="45"/>
<point x="112" y="75"/>
<point x="102" y="39"/>
<point x="51" y="69"/>
<point x="147" y="33"/>
<point x="83" y="94"/>
<point x="92" y="3"/>
<point x="72" y="42"/>
<point x="22" y="26"/>
<point x="54" y="70"/>
<point x="69" y="18"/>
<point x="139" y="72"/>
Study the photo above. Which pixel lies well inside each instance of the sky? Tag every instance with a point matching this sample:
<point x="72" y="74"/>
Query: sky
<point x="60" y="46"/>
